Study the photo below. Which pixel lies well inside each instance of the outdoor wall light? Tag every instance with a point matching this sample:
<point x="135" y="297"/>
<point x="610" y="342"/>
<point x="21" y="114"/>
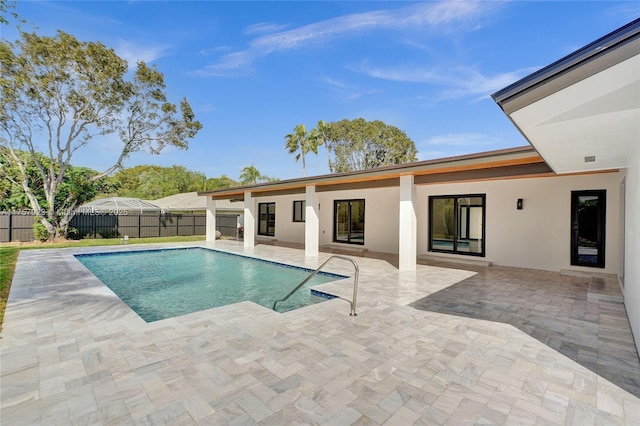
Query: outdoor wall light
<point x="519" y="203"/>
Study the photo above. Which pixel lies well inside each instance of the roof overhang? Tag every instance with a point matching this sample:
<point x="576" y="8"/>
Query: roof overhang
<point x="582" y="113"/>
<point x="499" y="164"/>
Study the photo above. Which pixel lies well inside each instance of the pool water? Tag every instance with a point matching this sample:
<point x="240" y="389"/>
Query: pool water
<point x="159" y="284"/>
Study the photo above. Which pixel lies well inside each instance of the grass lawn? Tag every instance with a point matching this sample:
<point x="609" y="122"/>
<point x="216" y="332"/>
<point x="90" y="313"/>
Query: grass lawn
<point x="9" y="256"/>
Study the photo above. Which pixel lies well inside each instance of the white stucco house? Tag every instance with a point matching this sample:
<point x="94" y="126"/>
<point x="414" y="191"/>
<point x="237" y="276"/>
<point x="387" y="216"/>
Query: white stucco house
<point x="569" y="200"/>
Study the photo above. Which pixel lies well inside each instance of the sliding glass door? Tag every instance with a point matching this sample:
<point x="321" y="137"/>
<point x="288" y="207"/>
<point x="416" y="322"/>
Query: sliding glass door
<point x="349" y="221"/>
<point x="457" y="224"/>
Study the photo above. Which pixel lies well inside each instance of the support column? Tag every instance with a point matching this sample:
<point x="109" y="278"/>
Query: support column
<point x="312" y="222"/>
<point x="249" y="220"/>
<point x="407" y="250"/>
<point x="210" y="222"/>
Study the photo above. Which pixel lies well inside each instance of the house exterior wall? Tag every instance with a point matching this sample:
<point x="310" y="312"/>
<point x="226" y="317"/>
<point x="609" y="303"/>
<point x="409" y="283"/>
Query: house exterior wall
<point x="380" y="222"/>
<point x="381" y="217"/>
<point x="538" y="236"/>
<point x="632" y="244"/>
<point x="286" y="229"/>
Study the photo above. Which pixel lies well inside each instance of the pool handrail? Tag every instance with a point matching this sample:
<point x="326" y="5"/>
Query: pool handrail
<point x="312" y="274"/>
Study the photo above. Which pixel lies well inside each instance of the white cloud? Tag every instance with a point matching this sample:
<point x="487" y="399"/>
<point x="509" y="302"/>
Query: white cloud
<point x="214" y="50"/>
<point x="457" y="82"/>
<point x="334" y="83"/>
<point x="132" y="52"/>
<point x="461" y="139"/>
<point x="263" y="28"/>
<point x="206" y="108"/>
<point x="237" y="63"/>
<point x="346" y="91"/>
<point x="452" y="144"/>
<point x="444" y="16"/>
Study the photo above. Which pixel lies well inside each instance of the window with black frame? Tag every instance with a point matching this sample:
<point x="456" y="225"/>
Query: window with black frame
<point x="456" y="224"/>
<point x="298" y="211"/>
<point x="267" y="219"/>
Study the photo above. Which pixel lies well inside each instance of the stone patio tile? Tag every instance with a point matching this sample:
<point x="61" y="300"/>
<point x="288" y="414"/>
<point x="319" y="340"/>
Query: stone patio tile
<point x="254" y="408"/>
<point x="72" y="353"/>
<point x="173" y="413"/>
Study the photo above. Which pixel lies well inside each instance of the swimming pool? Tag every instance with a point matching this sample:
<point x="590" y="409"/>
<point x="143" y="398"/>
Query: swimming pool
<point x="159" y="284"/>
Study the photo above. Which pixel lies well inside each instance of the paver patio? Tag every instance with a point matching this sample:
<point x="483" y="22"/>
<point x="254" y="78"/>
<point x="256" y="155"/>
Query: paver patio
<point x="553" y="308"/>
<point x="73" y="353"/>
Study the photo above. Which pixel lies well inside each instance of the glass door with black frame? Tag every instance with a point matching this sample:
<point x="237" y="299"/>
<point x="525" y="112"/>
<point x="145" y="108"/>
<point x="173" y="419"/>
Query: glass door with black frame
<point x="588" y="212"/>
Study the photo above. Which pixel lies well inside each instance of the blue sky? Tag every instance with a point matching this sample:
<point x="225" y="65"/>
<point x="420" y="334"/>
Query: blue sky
<point x="252" y="71"/>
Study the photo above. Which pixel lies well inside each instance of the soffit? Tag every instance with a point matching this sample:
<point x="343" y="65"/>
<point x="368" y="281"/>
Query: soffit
<point x="584" y="106"/>
<point x="598" y="116"/>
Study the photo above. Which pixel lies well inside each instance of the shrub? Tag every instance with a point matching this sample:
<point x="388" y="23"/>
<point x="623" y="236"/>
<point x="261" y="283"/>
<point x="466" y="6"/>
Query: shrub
<point x="108" y="233"/>
<point x="40" y="232"/>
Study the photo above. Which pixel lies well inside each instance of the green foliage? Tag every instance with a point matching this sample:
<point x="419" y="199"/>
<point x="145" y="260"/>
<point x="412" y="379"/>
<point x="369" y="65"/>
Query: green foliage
<point x="8" y="259"/>
<point x="301" y="142"/>
<point x="5" y="12"/>
<point x="107" y="233"/>
<point x="321" y="135"/>
<point x="250" y="175"/>
<point x="128" y="180"/>
<point x="221" y="182"/>
<point x="40" y="232"/>
<point x="77" y="183"/>
<point x="352" y="144"/>
<point x="152" y="182"/>
<point x="13" y="197"/>
<point x="359" y="145"/>
<point x="58" y="94"/>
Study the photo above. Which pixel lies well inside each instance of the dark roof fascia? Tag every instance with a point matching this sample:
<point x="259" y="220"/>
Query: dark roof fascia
<point x="377" y="173"/>
<point x="607" y="45"/>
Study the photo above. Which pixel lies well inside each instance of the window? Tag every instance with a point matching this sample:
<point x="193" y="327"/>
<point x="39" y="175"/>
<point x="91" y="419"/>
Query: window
<point x="267" y="219"/>
<point x="349" y="221"/>
<point x="456" y="224"/>
<point x="298" y="211"/>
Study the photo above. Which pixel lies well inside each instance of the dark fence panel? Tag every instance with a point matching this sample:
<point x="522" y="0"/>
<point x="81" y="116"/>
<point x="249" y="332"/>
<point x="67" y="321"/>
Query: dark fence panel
<point x="18" y="227"/>
<point x="130" y="225"/>
<point x="201" y="224"/>
<point x="227" y="225"/>
<point x="95" y="226"/>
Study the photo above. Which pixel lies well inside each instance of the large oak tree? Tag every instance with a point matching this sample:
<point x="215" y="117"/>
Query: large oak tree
<point x="359" y="144"/>
<point x="58" y="94"/>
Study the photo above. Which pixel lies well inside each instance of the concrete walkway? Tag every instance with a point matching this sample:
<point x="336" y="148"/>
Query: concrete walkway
<point x="73" y="353"/>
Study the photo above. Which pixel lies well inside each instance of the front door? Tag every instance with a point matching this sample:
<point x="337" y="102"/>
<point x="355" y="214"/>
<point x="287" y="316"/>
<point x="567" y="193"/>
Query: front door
<point x="588" y="212"/>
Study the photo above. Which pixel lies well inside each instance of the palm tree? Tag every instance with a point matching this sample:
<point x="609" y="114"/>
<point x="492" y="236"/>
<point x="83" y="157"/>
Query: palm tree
<point x="301" y="142"/>
<point x="250" y="175"/>
<point x="322" y="136"/>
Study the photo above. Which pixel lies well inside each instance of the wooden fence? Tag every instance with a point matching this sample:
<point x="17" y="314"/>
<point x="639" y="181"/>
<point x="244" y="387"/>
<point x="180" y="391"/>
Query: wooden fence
<point x="19" y="227"/>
